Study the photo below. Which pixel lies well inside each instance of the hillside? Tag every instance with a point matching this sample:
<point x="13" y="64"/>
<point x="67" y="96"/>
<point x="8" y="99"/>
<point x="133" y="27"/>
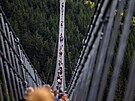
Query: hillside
<point x="36" y="24"/>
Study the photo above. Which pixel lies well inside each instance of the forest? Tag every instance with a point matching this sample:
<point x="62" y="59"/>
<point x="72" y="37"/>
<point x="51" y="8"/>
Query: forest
<point x="36" y="23"/>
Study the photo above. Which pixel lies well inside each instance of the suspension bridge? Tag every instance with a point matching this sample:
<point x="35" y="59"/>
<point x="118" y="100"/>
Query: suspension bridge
<point x="90" y="77"/>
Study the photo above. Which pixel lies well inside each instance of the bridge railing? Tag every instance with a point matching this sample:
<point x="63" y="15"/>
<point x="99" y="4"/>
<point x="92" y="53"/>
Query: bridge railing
<point x="16" y="70"/>
<point x="103" y="53"/>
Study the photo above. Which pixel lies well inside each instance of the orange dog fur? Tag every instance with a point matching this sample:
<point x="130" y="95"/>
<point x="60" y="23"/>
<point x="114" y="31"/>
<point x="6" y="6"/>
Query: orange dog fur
<point x="40" y="94"/>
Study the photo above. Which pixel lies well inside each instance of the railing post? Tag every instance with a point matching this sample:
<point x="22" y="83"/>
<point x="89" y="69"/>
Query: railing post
<point x="14" y="84"/>
<point x="1" y="95"/>
<point x="17" y="86"/>
<point x="4" y="80"/>
<point x="7" y="67"/>
<point x="4" y="54"/>
<point x="8" y="78"/>
<point x="16" y="70"/>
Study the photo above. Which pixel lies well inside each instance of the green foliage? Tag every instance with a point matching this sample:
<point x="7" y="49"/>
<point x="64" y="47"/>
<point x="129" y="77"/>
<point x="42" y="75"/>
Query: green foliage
<point x="91" y="4"/>
<point x="36" y="23"/>
<point x="123" y="79"/>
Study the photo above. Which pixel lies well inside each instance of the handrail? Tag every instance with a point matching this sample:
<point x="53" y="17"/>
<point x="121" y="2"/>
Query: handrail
<point x="16" y="69"/>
